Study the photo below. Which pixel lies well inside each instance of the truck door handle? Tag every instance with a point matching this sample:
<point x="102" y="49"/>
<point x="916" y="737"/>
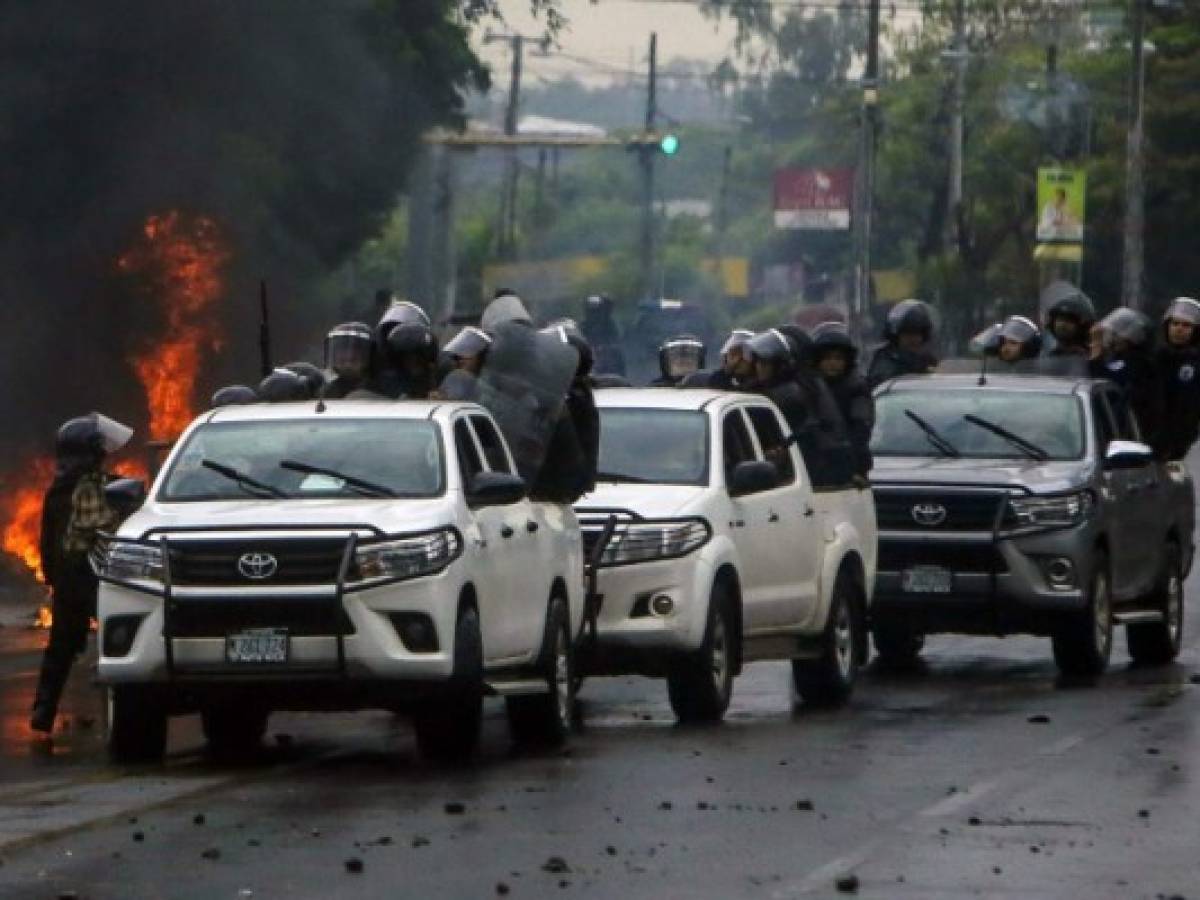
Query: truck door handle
<point x="773" y="517"/>
<point x="531" y="526"/>
<point x="809" y="512"/>
<point x="506" y="531"/>
<point x="738" y="523"/>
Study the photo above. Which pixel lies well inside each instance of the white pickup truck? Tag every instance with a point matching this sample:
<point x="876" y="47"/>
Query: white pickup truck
<point x="719" y="551"/>
<point x="348" y="555"/>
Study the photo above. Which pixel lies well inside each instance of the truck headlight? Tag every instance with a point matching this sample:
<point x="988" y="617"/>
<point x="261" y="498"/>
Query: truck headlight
<point x="1051" y="512"/>
<point x="413" y="556"/>
<point x="645" y="541"/>
<point x="127" y="561"/>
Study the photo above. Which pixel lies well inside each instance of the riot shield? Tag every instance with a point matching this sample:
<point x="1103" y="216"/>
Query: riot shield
<point x="112" y="433"/>
<point x="523" y="385"/>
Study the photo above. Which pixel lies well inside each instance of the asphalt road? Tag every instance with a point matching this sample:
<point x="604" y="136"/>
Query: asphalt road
<point x="980" y="776"/>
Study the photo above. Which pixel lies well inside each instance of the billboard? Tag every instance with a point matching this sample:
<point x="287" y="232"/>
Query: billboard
<point x="1061" y="197"/>
<point x="814" y="199"/>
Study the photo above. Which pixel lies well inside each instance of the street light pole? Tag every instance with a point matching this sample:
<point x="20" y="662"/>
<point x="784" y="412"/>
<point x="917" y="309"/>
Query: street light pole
<point x="1132" y="270"/>
<point x="954" y="193"/>
<point x="866" y="194"/>
<point x="646" y="156"/>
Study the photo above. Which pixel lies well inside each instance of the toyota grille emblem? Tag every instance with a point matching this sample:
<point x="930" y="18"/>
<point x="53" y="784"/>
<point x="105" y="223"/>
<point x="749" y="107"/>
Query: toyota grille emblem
<point x="930" y="514"/>
<point x="257" y="566"/>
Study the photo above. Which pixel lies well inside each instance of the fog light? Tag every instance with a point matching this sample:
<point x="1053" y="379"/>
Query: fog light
<point x="416" y="632"/>
<point x="662" y="605"/>
<point x="119" y="634"/>
<point x="1060" y="572"/>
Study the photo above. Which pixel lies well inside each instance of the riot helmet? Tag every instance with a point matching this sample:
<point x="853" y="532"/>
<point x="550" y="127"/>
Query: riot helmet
<point x="988" y="341"/>
<point x="909" y="317"/>
<point x="467" y="349"/>
<point x="233" y="395"/>
<point x="401" y="312"/>
<point x="1125" y="329"/>
<point x="313" y="378"/>
<point x="1021" y="338"/>
<point x="507" y="307"/>
<point x="90" y="437"/>
<point x="772" y="348"/>
<point x="1062" y="300"/>
<point x="1181" y="322"/>
<point x="832" y="344"/>
<point x="738" y="338"/>
<point x="283" y="386"/>
<point x="411" y="343"/>
<point x="568" y="331"/>
<point x="802" y="344"/>
<point x="348" y="350"/>
<point x="680" y="356"/>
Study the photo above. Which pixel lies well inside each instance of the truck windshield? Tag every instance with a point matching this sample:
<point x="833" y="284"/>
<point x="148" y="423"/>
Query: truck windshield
<point x="1028" y="425"/>
<point x="351" y="458"/>
<point x="653" y="446"/>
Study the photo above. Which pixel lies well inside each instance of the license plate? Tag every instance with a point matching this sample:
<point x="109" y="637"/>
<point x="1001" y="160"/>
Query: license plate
<point x="927" y="580"/>
<point x="257" y="645"/>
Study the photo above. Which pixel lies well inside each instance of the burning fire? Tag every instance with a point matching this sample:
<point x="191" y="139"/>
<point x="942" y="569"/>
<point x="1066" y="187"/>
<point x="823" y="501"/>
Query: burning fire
<point x="178" y="259"/>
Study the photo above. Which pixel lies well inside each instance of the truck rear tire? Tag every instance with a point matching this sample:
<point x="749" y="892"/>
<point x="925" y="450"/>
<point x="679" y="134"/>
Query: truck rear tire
<point x="1083" y="640"/>
<point x="234" y="733"/>
<point x="1158" y="643"/>
<point x="700" y="686"/>
<point x="899" y="647"/>
<point x="828" y="681"/>
<point x="448" y="727"/>
<point x="545" y="719"/>
<point x="137" y="724"/>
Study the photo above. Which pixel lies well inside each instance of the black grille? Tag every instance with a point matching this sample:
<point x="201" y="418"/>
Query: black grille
<point x="972" y="559"/>
<point x="964" y="512"/>
<point x="217" y="618"/>
<point x="300" y="561"/>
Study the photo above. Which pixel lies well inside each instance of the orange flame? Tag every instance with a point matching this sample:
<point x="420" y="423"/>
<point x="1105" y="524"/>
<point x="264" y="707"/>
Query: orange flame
<point x="22" y="516"/>
<point x="179" y="260"/>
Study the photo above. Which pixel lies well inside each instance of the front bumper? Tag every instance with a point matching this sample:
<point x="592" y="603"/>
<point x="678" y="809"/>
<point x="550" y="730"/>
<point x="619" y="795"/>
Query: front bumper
<point x="371" y="649"/>
<point x="999" y="584"/>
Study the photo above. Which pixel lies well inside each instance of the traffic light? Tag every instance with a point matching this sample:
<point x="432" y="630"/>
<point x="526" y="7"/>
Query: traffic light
<point x="669" y="145"/>
<point x="654" y="142"/>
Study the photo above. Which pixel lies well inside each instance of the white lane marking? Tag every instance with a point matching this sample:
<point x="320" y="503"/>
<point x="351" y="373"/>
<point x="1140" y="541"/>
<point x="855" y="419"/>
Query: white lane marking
<point x="958" y="800"/>
<point x="1062" y="746"/>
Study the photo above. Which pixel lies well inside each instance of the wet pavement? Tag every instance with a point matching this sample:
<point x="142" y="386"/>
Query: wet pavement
<point x="980" y="776"/>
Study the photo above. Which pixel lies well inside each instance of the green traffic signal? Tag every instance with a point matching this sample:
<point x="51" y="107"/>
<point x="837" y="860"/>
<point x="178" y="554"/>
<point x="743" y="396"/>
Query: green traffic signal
<point x="669" y="144"/>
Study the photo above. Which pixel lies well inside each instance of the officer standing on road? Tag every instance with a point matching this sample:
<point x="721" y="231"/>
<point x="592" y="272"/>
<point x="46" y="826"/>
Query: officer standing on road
<point x="907" y="348"/>
<point x="74" y="511"/>
<point x="1070" y="316"/>
<point x="407" y="353"/>
<point x="1120" y="350"/>
<point x="1178" y="362"/>
<point x="678" y="358"/>
<point x="836" y="359"/>
<point x="581" y="406"/>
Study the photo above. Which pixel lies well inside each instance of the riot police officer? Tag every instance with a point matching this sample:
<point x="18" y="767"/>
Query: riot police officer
<point x="283" y="386"/>
<point x="907" y="347"/>
<point x="678" y="358"/>
<point x="349" y="358"/>
<point x="836" y="359"/>
<point x="599" y="327"/>
<point x="736" y="368"/>
<point x="1120" y="350"/>
<point x="233" y="395"/>
<point x="462" y="360"/>
<point x="1019" y="339"/>
<point x="1178" y="364"/>
<point x="1070" y="316"/>
<point x="74" y="512"/>
<point x="406" y="352"/>
<point x="581" y="408"/>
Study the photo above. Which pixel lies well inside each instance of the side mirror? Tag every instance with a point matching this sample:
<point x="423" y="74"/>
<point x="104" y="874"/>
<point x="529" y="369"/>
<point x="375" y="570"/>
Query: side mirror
<point x="753" y="477"/>
<point x="495" y="489"/>
<point x="125" y="495"/>
<point x="1127" y="455"/>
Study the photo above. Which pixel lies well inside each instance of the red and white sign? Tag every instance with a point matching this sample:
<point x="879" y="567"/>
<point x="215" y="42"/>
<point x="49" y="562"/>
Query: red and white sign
<point x="818" y="199"/>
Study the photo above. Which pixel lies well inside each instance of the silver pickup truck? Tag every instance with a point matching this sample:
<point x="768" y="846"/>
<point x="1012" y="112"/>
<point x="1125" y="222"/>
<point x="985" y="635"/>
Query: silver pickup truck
<point x="1026" y="504"/>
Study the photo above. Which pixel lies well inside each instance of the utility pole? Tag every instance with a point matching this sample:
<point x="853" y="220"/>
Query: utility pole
<point x="954" y="193"/>
<point x="647" y="154"/>
<point x="866" y="175"/>
<point x="507" y="231"/>
<point x="1134" y="261"/>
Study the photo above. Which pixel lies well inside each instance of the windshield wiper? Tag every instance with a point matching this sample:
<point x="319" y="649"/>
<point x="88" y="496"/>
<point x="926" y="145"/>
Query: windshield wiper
<point x="1030" y="449"/>
<point x="619" y="477"/>
<point x="358" y="485"/>
<point x="934" y="436"/>
<point x="250" y="485"/>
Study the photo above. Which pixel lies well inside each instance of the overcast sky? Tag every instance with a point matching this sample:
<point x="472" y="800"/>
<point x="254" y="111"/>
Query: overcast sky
<point x="611" y="35"/>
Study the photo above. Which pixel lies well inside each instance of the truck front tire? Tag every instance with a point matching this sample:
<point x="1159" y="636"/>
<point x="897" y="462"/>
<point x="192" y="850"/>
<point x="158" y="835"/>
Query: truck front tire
<point x="700" y="686"/>
<point x="448" y="727"/>
<point x="137" y="724"/>
<point x="1158" y="643"/>
<point x="1083" y="641"/>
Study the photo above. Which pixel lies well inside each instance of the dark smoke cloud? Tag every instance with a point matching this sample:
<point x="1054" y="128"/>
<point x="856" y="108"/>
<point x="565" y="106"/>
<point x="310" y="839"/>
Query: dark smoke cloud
<point x="290" y="122"/>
